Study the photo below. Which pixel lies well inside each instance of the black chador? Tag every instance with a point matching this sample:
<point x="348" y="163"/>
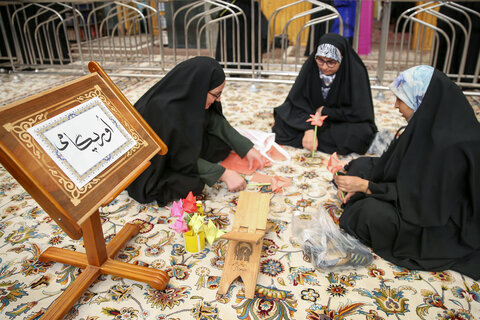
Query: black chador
<point x="350" y="126"/>
<point x="424" y="210"/>
<point x="175" y="109"/>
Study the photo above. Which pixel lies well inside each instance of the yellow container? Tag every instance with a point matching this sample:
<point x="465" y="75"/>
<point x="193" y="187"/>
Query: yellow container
<point x="194" y="242"/>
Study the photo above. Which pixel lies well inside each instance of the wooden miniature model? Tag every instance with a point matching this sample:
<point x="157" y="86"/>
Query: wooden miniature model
<point x="74" y="208"/>
<point x="245" y="245"/>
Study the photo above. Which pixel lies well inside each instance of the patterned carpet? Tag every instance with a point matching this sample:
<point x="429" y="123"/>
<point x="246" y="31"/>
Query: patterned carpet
<point x="288" y="286"/>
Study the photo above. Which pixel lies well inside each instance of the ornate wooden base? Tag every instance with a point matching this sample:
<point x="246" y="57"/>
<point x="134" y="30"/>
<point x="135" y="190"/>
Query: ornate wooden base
<point x="98" y="260"/>
<point x="246" y="242"/>
<point x="242" y="260"/>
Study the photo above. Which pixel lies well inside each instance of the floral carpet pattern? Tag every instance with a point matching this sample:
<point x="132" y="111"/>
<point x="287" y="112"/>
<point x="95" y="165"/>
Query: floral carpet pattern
<point x="288" y="286"/>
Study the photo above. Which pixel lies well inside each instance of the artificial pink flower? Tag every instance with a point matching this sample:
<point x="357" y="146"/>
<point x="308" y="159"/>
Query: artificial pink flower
<point x="278" y="183"/>
<point x="190" y="203"/>
<point x="316" y="119"/>
<point x="334" y="164"/>
<point x="179" y="225"/>
<point x="177" y="209"/>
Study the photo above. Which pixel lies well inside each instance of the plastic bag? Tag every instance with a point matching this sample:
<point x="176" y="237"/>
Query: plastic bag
<point x="300" y="222"/>
<point x="330" y="248"/>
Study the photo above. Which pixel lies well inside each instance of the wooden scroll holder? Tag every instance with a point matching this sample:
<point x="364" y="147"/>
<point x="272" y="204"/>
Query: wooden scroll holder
<point x="74" y="209"/>
<point x="245" y="246"/>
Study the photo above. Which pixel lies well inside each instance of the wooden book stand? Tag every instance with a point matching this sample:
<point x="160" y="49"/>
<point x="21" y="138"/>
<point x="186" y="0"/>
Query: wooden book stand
<point x="245" y="246"/>
<point x="75" y="209"/>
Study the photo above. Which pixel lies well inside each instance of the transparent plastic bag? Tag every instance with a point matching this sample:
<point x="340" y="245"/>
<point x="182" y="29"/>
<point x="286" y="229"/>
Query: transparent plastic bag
<point x="300" y="222"/>
<point x="332" y="249"/>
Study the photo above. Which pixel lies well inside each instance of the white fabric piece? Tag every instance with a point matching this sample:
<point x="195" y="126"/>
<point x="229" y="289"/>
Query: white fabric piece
<point x="263" y="141"/>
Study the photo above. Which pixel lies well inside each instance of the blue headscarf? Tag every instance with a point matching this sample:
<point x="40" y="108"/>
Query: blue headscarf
<point x="411" y="85"/>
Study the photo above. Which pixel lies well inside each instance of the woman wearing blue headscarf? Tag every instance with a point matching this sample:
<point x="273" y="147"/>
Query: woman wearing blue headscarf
<point x="417" y="205"/>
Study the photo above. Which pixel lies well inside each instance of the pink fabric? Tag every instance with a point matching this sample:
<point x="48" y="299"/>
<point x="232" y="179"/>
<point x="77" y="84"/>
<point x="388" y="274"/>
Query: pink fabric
<point x="365" y="32"/>
<point x="276" y="183"/>
<point x="276" y="155"/>
<point x="235" y="163"/>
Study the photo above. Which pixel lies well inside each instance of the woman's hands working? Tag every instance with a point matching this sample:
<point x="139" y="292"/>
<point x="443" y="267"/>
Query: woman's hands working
<point x="234" y="181"/>
<point x="350" y="185"/>
<point x="254" y="156"/>
<point x="308" y="136"/>
<point x="307" y="141"/>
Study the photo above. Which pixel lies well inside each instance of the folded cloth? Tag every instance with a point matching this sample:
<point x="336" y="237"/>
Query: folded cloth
<point x="276" y="183"/>
<point x="265" y="143"/>
<point x="240" y="165"/>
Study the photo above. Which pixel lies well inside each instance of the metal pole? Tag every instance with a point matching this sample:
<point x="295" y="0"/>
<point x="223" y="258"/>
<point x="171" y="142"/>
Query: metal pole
<point x="253" y="87"/>
<point x="7" y="45"/>
<point x="356" y="31"/>
<point x="383" y="45"/>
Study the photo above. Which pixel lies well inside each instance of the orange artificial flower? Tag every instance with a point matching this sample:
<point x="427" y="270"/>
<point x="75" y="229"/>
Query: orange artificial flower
<point x="334" y="164"/>
<point x="190" y="203"/>
<point x="316" y="119"/>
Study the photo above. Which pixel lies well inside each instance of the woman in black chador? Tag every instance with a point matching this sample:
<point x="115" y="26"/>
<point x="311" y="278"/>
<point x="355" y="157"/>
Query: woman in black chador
<point x="228" y="35"/>
<point x="418" y="205"/>
<point x="184" y="109"/>
<point x="334" y="82"/>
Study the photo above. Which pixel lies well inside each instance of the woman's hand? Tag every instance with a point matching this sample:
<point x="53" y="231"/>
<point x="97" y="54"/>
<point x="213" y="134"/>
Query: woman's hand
<point x="344" y="197"/>
<point x="233" y="180"/>
<point x="252" y="156"/>
<point x="307" y="141"/>
<point x="351" y="184"/>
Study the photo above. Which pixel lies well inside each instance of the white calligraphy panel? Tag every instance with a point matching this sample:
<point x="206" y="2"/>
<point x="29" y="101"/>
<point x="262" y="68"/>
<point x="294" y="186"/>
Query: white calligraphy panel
<point x="84" y="140"/>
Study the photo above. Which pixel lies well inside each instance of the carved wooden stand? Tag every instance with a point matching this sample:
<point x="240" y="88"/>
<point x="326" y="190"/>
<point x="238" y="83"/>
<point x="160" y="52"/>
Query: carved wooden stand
<point x="75" y="210"/>
<point x="97" y="260"/>
<point x="245" y="246"/>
